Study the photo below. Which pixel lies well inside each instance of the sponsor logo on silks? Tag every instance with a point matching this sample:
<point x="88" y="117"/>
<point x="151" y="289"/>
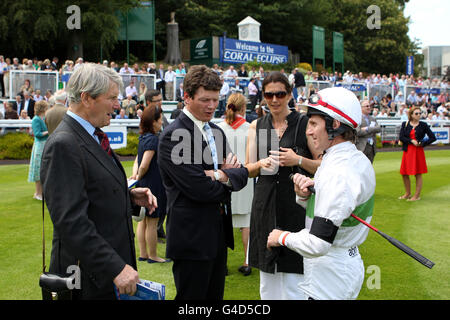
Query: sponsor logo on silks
<point x="362" y="211"/>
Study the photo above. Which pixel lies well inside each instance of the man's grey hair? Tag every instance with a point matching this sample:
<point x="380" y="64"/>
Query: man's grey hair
<point x="95" y="79"/>
<point x="60" y="96"/>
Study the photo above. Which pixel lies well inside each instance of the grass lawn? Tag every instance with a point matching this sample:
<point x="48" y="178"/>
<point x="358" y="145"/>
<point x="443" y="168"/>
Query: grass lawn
<point x="390" y="274"/>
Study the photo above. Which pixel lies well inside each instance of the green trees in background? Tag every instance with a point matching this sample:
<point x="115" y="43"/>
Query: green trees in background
<point x="38" y="27"/>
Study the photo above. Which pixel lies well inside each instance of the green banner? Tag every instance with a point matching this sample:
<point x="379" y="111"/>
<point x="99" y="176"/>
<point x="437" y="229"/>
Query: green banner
<point x="338" y="50"/>
<point x="318" y="35"/>
<point x="201" y="49"/>
<point x="138" y="23"/>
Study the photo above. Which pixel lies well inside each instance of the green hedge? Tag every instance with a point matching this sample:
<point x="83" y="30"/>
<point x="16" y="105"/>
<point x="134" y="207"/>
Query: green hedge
<point x="132" y="145"/>
<point x="16" y="146"/>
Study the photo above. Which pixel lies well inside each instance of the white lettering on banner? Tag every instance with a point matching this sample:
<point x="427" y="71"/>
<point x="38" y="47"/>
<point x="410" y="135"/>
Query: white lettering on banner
<point x="240" y="52"/>
<point x="244" y="46"/>
<point x="234" y="56"/>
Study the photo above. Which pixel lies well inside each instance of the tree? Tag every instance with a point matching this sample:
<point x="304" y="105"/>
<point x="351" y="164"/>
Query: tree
<point x="39" y="26"/>
<point x="35" y="27"/>
<point x="367" y="49"/>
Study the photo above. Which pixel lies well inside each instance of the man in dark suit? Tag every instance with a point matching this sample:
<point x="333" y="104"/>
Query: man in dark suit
<point x="86" y="190"/>
<point x="28" y="104"/>
<point x="160" y="82"/>
<point x="198" y="181"/>
<point x="299" y="82"/>
<point x="366" y="133"/>
<point x="18" y="104"/>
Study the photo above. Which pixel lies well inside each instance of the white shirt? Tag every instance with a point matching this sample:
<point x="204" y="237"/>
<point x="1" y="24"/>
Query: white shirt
<point x="198" y="123"/>
<point x="224" y="90"/>
<point x="230" y="73"/>
<point x="126" y="70"/>
<point x="129" y="91"/>
<point x="170" y="76"/>
<point x="252" y="89"/>
<point x="3" y="66"/>
<point x="344" y="180"/>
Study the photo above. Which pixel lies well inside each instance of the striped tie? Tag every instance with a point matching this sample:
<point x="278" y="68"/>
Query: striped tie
<point x="104" y="141"/>
<point x="212" y="144"/>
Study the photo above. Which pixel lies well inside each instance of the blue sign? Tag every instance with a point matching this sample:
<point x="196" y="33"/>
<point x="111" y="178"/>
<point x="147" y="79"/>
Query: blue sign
<point x="428" y="90"/>
<point x="441" y="135"/>
<point x="352" y="87"/>
<point x="238" y="51"/>
<point x="115" y="137"/>
<point x="410" y="65"/>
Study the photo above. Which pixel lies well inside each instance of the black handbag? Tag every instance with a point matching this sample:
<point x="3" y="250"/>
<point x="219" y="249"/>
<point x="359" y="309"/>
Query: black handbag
<point x="54" y="286"/>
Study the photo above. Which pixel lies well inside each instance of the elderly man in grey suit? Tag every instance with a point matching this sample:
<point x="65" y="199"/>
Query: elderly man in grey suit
<point x="366" y="138"/>
<point x="55" y="114"/>
<point x="86" y="190"/>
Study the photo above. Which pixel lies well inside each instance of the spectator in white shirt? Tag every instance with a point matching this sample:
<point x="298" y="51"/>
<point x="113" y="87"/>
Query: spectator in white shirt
<point x="3" y="70"/>
<point x="125" y="69"/>
<point x="399" y="97"/>
<point x="169" y="78"/>
<point x="230" y="72"/>
<point x="412" y="98"/>
<point x="252" y="92"/>
<point x="223" y="94"/>
<point x="78" y="63"/>
<point x="131" y="91"/>
<point x="37" y="97"/>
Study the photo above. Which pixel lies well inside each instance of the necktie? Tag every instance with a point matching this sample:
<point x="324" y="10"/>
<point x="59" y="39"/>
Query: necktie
<point x="104" y="141"/>
<point x="212" y="144"/>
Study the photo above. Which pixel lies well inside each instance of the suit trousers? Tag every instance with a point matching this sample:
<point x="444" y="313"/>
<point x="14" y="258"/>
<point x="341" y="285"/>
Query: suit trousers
<point x="201" y="279"/>
<point x="2" y="85"/>
<point x="369" y="151"/>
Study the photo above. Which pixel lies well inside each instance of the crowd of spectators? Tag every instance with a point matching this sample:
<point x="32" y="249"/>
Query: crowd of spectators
<point x="434" y="106"/>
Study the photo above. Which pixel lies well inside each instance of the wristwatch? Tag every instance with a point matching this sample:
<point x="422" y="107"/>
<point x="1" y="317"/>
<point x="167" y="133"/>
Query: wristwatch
<point x="217" y="175"/>
<point x="300" y="161"/>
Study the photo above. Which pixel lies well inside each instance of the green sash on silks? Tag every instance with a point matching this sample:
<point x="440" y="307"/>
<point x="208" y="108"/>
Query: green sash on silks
<point x="362" y="211"/>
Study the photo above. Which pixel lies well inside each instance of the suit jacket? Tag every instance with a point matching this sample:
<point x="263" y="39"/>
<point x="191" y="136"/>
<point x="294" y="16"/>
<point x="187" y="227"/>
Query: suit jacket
<point x="54" y="116"/>
<point x="89" y="204"/>
<point x="363" y="135"/>
<point x="299" y="79"/>
<point x="420" y="131"/>
<point x="195" y="225"/>
<point x="30" y="110"/>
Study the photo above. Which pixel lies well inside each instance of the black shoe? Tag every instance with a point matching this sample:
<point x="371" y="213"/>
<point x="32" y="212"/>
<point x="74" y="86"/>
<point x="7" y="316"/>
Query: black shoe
<point x="245" y="270"/>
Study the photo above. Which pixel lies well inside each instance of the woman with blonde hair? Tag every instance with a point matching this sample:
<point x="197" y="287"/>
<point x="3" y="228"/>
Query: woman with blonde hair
<point x="40" y="132"/>
<point x="236" y="129"/>
<point x="412" y="135"/>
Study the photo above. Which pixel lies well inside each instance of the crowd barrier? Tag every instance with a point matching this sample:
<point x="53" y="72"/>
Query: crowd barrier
<point x="44" y="81"/>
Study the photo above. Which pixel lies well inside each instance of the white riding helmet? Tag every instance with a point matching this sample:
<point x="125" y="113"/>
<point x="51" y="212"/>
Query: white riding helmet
<point x="339" y="103"/>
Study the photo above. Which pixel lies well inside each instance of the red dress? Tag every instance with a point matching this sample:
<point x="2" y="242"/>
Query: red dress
<point x="413" y="160"/>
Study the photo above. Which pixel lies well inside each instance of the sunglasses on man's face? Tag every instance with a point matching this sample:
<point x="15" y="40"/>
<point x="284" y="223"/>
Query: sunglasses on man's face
<point x="279" y="95"/>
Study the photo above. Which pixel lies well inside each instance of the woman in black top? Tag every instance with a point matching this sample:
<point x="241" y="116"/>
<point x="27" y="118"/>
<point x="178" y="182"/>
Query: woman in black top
<point x="412" y="134"/>
<point x="146" y="171"/>
<point x="274" y="204"/>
